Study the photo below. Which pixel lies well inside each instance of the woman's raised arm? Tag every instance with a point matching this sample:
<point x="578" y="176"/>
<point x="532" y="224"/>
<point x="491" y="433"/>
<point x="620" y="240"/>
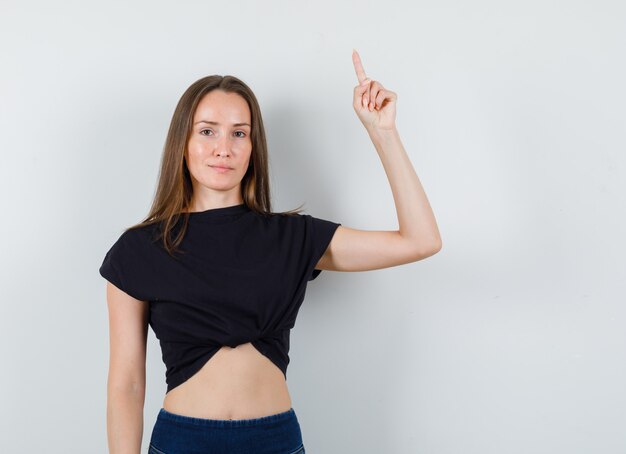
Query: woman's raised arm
<point x="418" y="236"/>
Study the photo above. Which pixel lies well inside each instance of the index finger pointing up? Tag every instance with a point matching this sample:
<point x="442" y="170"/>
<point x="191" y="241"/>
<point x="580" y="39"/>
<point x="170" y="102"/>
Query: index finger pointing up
<point x="358" y="67"/>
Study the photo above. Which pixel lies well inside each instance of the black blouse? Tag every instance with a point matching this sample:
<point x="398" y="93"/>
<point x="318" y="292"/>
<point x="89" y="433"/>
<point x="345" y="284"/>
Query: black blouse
<point x="241" y="278"/>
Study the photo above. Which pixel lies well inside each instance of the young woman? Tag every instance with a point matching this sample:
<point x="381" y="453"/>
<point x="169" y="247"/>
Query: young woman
<point x="220" y="277"/>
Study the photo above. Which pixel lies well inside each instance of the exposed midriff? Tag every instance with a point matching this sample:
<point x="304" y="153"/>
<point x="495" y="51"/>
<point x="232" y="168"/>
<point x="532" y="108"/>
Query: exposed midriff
<point x="235" y="383"/>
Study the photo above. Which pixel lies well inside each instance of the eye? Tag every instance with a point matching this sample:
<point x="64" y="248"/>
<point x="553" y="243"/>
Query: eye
<point x="241" y="137"/>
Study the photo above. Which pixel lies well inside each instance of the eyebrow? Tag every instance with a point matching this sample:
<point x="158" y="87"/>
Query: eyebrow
<point x="216" y="123"/>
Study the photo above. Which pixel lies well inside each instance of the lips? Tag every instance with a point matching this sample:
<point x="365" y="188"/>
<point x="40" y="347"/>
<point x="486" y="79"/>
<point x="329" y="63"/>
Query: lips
<point x="221" y="169"/>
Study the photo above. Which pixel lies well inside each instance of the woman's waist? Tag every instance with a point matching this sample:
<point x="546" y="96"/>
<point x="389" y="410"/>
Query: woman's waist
<point x="236" y="383"/>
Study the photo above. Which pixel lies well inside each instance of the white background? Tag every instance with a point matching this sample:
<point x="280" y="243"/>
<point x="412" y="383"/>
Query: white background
<point x="510" y="340"/>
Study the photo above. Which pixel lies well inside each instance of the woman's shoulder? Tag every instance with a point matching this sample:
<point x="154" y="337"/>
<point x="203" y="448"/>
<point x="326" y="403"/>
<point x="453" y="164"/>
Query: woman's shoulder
<point x="285" y="219"/>
<point x="138" y="235"/>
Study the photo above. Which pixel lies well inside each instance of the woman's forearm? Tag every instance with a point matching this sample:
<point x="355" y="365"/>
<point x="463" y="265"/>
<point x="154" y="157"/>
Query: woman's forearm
<point x="125" y="421"/>
<point x="415" y="216"/>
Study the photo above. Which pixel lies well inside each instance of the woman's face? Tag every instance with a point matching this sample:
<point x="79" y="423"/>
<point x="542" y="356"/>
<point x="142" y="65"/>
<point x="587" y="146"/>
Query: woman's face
<point x="220" y="137"/>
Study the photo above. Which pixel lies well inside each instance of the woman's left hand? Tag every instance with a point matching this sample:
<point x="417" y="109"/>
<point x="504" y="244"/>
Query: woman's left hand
<point x="374" y="105"/>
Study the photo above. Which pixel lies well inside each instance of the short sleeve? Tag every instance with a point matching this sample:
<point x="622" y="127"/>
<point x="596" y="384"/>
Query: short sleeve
<point x="121" y="267"/>
<point x="319" y="234"/>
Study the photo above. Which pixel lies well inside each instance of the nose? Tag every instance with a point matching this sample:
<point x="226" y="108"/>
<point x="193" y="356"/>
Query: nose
<point x="222" y="146"/>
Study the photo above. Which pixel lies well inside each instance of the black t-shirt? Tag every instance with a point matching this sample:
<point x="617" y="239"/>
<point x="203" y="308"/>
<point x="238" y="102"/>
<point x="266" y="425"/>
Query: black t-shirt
<point x="241" y="278"/>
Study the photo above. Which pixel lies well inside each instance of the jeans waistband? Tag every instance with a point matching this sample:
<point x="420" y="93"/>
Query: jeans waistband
<point x="278" y="417"/>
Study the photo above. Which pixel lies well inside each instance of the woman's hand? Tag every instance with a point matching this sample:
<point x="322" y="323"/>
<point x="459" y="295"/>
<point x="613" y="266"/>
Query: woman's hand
<point x="374" y="105"/>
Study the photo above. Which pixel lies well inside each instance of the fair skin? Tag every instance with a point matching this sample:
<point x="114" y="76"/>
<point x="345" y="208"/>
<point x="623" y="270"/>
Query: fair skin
<point x="220" y="137"/>
<point x="417" y="236"/>
<point x="239" y="383"/>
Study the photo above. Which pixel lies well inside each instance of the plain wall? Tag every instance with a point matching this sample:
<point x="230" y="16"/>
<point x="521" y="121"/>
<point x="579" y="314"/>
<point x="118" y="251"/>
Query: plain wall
<point x="510" y="340"/>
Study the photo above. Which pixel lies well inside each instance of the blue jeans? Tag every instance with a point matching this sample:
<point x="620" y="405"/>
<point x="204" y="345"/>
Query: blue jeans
<point x="274" y="434"/>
